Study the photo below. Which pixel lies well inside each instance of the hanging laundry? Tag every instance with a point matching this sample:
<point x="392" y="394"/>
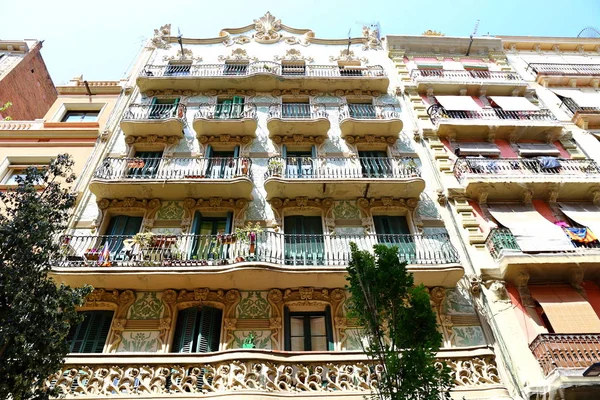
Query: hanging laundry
<point x="548" y="162"/>
<point x="580" y="235"/>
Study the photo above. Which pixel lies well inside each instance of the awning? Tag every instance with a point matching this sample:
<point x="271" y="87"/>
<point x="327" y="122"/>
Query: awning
<point x="475" y="66"/>
<point x="585" y="214"/>
<point x="531" y="230"/>
<point x="476" y="148"/>
<point x="583" y="99"/>
<point x="514" y="103"/>
<point x="458" y="103"/>
<point x="537" y="149"/>
<point x="566" y="310"/>
<point x="429" y="65"/>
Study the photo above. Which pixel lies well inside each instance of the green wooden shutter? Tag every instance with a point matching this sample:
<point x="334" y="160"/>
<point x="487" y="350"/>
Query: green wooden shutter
<point x="229" y="222"/>
<point x="287" y="326"/>
<point x="196" y="227"/>
<point x="209" y="330"/>
<point x="90" y="335"/>
<point x="185" y="330"/>
<point x="237" y="109"/>
<point x="236" y="152"/>
<point x="283" y="151"/>
<point x="329" y="328"/>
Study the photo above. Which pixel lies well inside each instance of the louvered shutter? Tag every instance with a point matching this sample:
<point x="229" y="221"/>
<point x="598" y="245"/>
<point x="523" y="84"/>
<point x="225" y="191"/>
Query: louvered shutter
<point x="185" y="330"/>
<point x="329" y="328"/>
<point x="90" y="335"/>
<point x="209" y="330"/>
<point x="288" y="334"/>
<point x="77" y="334"/>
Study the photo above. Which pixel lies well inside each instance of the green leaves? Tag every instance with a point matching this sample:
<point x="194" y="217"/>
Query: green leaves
<point x="399" y="324"/>
<point x="35" y="313"/>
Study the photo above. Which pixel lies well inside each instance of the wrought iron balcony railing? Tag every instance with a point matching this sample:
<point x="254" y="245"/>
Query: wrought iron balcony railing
<point x="226" y="111"/>
<point x="368" y="111"/>
<point x="565" y="69"/>
<point x="515" y="167"/>
<point x="437" y="113"/>
<point x="569" y="351"/>
<point x="463" y="75"/>
<point x="261" y="67"/>
<point x="250" y="373"/>
<point x="144" y="169"/>
<point x="571" y="107"/>
<point x="155" y="112"/>
<point x="222" y="249"/>
<point x="501" y="240"/>
<point x="342" y="168"/>
<point x="297" y="111"/>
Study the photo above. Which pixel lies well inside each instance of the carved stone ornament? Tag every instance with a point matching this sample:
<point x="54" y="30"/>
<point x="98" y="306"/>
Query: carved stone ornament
<point x="187" y="55"/>
<point x="238" y="206"/>
<point x="371" y="139"/>
<point x="293" y="55"/>
<point x="348" y="55"/>
<point x="521" y="282"/>
<point x="238" y="54"/>
<point x="151" y="140"/>
<point x="267" y="29"/>
<point x="144" y="206"/>
<point x="302" y="204"/>
<point x="298" y="138"/>
<point x="159" y="40"/>
<point x="372" y="41"/>
<point x="497" y="291"/>
<point x="224" y="138"/>
<point x="474" y="284"/>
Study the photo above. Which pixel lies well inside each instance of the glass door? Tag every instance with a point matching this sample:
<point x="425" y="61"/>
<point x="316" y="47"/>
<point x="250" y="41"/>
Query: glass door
<point x="145" y="166"/>
<point x="206" y="244"/>
<point x="221" y="164"/>
<point x="304" y="243"/>
<point x="394" y="231"/>
<point x="120" y="228"/>
<point x="374" y="164"/>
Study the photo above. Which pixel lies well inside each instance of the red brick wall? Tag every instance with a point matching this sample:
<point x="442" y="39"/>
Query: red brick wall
<point x="28" y="87"/>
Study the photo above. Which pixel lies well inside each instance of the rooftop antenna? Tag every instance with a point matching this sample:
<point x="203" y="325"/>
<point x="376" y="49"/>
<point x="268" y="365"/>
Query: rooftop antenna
<point x="471" y="37"/>
<point x="180" y="41"/>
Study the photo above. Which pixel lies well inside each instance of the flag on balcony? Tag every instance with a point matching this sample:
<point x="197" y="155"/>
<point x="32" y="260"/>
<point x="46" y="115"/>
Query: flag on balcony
<point x="104" y="258"/>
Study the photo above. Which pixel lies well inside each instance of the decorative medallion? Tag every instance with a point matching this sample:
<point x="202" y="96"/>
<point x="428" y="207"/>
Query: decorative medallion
<point x="267" y="29"/>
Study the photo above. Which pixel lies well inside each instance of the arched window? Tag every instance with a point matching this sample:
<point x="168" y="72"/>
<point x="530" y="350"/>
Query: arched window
<point x="198" y="330"/>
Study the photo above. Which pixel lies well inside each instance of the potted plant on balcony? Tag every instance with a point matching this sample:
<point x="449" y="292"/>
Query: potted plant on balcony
<point x="276" y="166"/>
<point x="247" y="235"/>
<point x="92" y="254"/>
<point x="136" y="163"/>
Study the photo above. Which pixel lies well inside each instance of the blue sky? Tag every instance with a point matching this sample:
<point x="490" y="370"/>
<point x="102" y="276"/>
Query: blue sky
<point x="101" y="40"/>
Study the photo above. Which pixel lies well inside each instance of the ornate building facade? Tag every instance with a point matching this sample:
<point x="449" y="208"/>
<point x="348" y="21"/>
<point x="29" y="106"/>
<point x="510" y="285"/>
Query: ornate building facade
<point x="217" y="221"/>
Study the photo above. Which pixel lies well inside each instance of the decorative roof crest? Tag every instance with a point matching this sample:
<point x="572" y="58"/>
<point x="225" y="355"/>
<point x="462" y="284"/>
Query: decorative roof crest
<point x="267" y="29"/>
<point x="293" y="55"/>
<point x="159" y="40"/>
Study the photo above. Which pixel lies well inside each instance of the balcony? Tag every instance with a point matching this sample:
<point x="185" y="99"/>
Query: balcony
<point x="262" y="76"/>
<point x="173" y="178"/>
<point x="298" y="119"/>
<point x="504" y="179"/>
<point x="545" y="265"/>
<point x="583" y="117"/>
<point x="360" y="120"/>
<point x="529" y="125"/>
<point x="230" y="119"/>
<point x="154" y="119"/>
<point x="256" y="374"/>
<point x="554" y="74"/>
<point x="343" y="178"/>
<point x="117" y="261"/>
<point x="451" y="81"/>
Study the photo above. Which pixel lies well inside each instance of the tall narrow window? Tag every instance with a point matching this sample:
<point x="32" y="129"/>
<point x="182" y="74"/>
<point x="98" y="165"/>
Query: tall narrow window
<point x="362" y="110"/>
<point x="89" y="336"/>
<point x="303" y="240"/>
<point x="375" y="164"/>
<point x="308" y="331"/>
<point x="178" y="69"/>
<point x="394" y="231"/>
<point x="205" y="245"/>
<point x="230" y="108"/>
<point x="146" y="167"/>
<point x="233" y="68"/>
<point x="198" y="330"/>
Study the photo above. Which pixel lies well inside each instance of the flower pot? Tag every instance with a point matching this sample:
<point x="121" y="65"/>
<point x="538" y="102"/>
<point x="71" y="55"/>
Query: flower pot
<point x="92" y="255"/>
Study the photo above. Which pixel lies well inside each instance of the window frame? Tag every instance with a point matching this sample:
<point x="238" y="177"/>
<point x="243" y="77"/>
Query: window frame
<point x="84" y="341"/>
<point x="67" y="113"/>
<point x="288" y="314"/>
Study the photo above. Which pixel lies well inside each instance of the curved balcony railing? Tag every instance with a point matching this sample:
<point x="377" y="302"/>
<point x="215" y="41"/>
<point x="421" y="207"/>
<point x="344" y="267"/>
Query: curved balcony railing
<point x="116" y="169"/>
<point x="261" y="67"/>
<point x="269" y="247"/>
<point x="565" y="69"/>
<point x="368" y="112"/>
<point x="566" y="351"/>
<point x="342" y="168"/>
<point x="502" y="240"/>
<point x="154" y="112"/>
<point x="571" y="107"/>
<point x="251" y="373"/>
<point x="297" y="111"/>
<point x="437" y="113"/>
<point x="226" y="111"/>
<point x="463" y="75"/>
<point x="515" y="167"/>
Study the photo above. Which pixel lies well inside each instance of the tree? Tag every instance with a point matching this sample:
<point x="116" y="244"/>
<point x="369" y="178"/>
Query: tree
<point x="35" y="313"/>
<point x="4" y="108"/>
<point x="400" y="328"/>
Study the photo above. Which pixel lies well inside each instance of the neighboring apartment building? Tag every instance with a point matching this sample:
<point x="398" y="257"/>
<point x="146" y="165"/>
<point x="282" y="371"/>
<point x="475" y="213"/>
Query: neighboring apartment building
<point x="509" y="125"/>
<point x="75" y="123"/>
<point x="216" y="230"/>
<point x="24" y="80"/>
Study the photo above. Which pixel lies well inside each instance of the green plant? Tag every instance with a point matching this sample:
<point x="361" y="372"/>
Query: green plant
<point x="4" y="108"/>
<point x="248" y="233"/>
<point x="276" y="166"/>
<point x="144" y="239"/>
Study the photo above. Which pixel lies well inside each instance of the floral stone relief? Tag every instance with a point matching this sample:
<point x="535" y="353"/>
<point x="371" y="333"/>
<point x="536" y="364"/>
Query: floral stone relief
<point x="262" y="339"/>
<point x="139" y="341"/>
<point x="468" y="336"/>
<point x="458" y="302"/>
<point x="346" y="210"/>
<point x="427" y="208"/>
<point x="172" y="210"/>
<point x="146" y="306"/>
<point x="404" y="144"/>
<point x="253" y="305"/>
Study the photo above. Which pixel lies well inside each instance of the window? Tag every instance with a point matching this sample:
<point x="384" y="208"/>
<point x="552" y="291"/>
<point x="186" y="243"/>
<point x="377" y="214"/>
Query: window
<point x="375" y="164"/>
<point x="293" y="68"/>
<point x="198" y="330"/>
<point x="120" y="228"/>
<point x="204" y="231"/>
<point x="145" y="166"/>
<point x="89" y="336"/>
<point x="299" y="164"/>
<point x="81" y="116"/>
<point x="308" y="331"/>
<point x="394" y="231"/>
<point x="163" y="108"/>
<point x="15" y="171"/>
<point x="362" y="110"/>
<point x="303" y="240"/>
<point x="232" y="68"/>
<point x="230" y="108"/>
<point x="178" y="69"/>
<point x="295" y="109"/>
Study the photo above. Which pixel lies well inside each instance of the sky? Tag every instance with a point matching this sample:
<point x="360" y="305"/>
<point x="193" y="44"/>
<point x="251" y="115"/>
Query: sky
<point x="100" y="39"/>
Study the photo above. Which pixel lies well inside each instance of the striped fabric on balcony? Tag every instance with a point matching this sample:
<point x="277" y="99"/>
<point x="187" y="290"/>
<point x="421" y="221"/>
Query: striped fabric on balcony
<point x="513" y="103"/>
<point x="585" y="214"/>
